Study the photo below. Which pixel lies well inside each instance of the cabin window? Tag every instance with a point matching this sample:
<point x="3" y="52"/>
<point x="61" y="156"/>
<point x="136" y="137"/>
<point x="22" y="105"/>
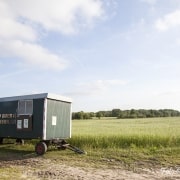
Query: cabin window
<point x="19" y="124"/>
<point x="25" y="107"/>
<point x="26" y="123"/>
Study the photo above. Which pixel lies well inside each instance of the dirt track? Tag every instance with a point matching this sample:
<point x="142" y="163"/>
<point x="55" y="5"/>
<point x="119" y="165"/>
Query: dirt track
<point x="39" y="168"/>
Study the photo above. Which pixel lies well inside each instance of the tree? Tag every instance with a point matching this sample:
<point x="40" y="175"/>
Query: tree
<point x="99" y="114"/>
<point x="140" y="113"/>
<point x="116" y="112"/>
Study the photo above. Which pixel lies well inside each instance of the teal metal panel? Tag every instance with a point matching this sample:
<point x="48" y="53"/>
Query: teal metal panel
<point x="58" y="119"/>
<point x="9" y="118"/>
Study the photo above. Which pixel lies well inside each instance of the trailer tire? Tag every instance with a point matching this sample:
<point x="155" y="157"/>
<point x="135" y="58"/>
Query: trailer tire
<point x="40" y="148"/>
<point x="47" y="143"/>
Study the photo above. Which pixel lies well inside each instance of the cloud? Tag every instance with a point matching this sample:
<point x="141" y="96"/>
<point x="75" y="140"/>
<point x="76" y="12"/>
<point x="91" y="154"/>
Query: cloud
<point x="151" y="2"/>
<point x="64" y="16"/>
<point x="171" y="20"/>
<point x="34" y="55"/>
<point x="22" y="21"/>
<point x="97" y="87"/>
<point x="113" y="82"/>
<point x="11" y="28"/>
<point x="102" y="84"/>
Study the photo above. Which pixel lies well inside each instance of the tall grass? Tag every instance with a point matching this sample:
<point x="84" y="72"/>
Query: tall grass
<point x="116" y="133"/>
<point x="124" y="141"/>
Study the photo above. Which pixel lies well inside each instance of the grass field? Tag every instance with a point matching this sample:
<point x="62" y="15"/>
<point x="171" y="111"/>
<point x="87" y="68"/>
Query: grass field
<point x="113" y="142"/>
<point x="130" y="141"/>
<point x="123" y="133"/>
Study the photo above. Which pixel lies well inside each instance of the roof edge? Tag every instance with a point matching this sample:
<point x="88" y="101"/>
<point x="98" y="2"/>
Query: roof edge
<point x="36" y="96"/>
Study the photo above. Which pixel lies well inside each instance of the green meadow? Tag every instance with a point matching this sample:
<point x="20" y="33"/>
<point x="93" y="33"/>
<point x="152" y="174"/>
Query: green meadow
<point x="128" y="143"/>
<point x="132" y="143"/>
<point x="124" y="133"/>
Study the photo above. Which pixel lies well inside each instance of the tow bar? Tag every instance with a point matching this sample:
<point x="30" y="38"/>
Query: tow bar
<point x="62" y="144"/>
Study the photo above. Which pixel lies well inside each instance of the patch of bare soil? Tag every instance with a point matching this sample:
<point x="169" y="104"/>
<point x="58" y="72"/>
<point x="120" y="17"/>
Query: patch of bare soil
<point x="39" y="168"/>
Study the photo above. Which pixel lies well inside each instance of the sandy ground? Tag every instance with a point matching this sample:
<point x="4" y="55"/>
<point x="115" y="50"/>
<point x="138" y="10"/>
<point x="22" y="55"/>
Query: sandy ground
<point x="39" y="168"/>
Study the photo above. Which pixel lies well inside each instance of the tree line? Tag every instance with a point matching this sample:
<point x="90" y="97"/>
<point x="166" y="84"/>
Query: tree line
<point x="122" y="114"/>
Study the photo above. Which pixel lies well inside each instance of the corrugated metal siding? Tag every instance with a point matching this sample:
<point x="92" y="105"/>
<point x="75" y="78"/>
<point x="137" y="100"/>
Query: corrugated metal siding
<point x="58" y="123"/>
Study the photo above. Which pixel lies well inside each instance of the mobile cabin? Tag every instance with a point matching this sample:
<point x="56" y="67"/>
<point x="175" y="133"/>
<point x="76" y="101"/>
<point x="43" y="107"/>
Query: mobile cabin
<point x="37" y="116"/>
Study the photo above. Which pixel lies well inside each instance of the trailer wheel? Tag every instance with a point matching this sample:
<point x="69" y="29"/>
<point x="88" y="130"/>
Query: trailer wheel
<point x="40" y="148"/>
<point x="47" y="143"/>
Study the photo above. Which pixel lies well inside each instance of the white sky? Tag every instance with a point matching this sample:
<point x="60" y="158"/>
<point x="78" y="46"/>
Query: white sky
<point x="104" y="54"/>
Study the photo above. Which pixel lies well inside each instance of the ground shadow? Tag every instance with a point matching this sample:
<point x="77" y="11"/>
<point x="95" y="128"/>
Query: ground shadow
<point x="9" y="152"/>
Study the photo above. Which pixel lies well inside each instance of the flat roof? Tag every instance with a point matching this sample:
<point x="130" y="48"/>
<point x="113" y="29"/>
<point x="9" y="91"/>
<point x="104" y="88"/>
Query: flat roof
<point x="36" y="96"/>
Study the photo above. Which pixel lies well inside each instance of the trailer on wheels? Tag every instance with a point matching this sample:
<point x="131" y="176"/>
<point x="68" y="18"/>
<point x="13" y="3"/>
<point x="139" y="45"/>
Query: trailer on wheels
<point x="44" y="116"/>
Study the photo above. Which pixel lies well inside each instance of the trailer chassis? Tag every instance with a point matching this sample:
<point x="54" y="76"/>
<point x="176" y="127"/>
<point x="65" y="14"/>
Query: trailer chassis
<point x="42" y="146"/>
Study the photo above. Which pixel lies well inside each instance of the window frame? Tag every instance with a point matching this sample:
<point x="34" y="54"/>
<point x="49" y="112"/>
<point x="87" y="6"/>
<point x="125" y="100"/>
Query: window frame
<point x="22" y="110"/>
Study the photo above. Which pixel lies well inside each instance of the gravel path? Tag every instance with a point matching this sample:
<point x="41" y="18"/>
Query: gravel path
<point x="39" y="168"/>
